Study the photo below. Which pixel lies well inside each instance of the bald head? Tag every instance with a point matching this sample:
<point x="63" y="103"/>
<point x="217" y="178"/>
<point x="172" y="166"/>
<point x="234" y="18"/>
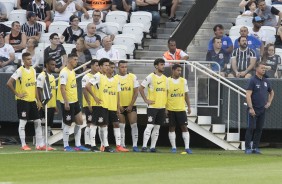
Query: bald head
<point x="91" y="28"/>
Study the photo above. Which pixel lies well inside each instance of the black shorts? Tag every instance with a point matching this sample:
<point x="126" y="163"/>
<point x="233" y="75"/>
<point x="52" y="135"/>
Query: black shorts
<point x="88" y="114"/>
<point x="134" y="108"/>
<point x="156" y="116"/>
<point x="69" y="116"/>
<point x="100" y="116"/>
<point x="27" y="110"/>
<point x="177" y="117"/>
<point x="166" y="2"/>
<point x="113" y="118"/>
<point x="50" y="115"/>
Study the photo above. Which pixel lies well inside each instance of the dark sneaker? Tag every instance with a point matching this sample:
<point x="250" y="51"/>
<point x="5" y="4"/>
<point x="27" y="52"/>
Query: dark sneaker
<point x="153" y="150"/>
<point x="173" y="19"/>
<point x="188" y="150"/>
<point x="109" y="149"/>
<point x="248" y="151"/>
<point x="135" y="149"/>
<point x="95" y="149"/>
<point x="154" y="36"/>
<point x="144" y="149"/>
<point x="256" y="151"/>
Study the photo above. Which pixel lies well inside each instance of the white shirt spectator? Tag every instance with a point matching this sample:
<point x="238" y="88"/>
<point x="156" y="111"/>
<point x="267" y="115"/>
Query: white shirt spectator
<point x="261" y="35"/>
<point x="65" y="16"/>
<point x="111" y="54"/>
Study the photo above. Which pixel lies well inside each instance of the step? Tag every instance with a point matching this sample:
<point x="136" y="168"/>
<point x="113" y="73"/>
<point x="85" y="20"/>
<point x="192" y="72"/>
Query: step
<point x="158" y="48"/>
<point x="220" y="135"/>
<point x="233" y="137"/>
<point x="148" y="42"/>
<point x="216" y="19"/>
<point x="165" y="30"/>
<point x="192" y="48"/>
<point x="148" y="53"/>
<point x="209" y="25"/>
<point x="204" y="120"/>
<point x="56" y="130"/>
<point x="171" y="24"/>
<point x="227" y="3"/>
<point x="218" y="128"/>
<point x="228" y="14"/>
<point x="206" y="126"/>
<point x="164" y="36"/>
<point x="238" y="144"/>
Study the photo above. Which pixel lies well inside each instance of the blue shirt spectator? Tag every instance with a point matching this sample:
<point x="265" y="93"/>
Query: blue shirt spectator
<point x="226" y="43"/>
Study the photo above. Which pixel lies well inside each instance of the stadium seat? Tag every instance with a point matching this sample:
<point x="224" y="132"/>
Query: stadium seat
<point x="270" y="32"/>
<point x="278" y="6"/>
<point x="83" y="25"/>
<point x="136" y="29"/>
<point x="278" y="51"/>
<point x="18" y="15"/>
<point x="39" y="51"/>
<point x="234" y="30"/>
<point x="233" y="38"/>
<point x="58" y="27"/>
<point x="8" y="23"/>
<point x="122" y="49"/>
<point x="45" y="38"/>
<point x="83" y="19"/>
<point x="142" y="17"/>
<point x="112" y="28"/>
<point x="68" y="47"/>
<point x="268" y="2"/>
<point x="9" y="5"/>
<point x="126" y="39"/>
<point x="119" y="17"/>
<point x="244" y="21"/>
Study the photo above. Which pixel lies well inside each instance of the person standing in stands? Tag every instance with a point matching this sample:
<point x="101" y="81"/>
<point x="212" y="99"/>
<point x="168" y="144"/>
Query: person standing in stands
<point x="122" y="5"/>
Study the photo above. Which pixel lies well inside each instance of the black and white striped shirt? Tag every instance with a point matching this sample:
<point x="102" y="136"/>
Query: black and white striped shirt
<point x="243" y="58"/>
<point x="41" y="10"/>
<point x="31" y="30"/>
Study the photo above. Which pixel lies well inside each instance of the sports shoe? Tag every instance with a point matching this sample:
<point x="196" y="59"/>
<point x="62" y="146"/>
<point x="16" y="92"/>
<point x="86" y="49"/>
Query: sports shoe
<point x="26" y="148"/>
<point x="248" y="151"/>
<point x="173" y="19"/>
<point x="68" y="149"/>
<point x="109" y="149"/>
<point x="81" y="148"/>
<point x="135" y="149"/>
<point x="154" y="36"/>
<point x="43" y="148"/>
<point x="188" y="150"/>
<point x="95" y="149"/>
<point x="121" y="149"/>
<point x="173" y="150"/>
<point x="256" y="151"/>
<point x="153" y="150"/>
<point x="144" y="149"/>
<point x="102" y="148"/>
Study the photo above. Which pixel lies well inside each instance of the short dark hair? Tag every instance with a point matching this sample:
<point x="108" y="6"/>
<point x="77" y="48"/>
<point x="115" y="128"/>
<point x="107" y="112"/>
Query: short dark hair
<point x="175" y="66"/>
<point x="259" y="63"/>
<point x="103" y="60"/>
<point x="53" y="35"/>
<point x="48" y="60"/>
<point x="15" y="22"/>
<point x="122" y="62"/>
<point x="239" y="39"/>
<point x="259" y="1"/>
<point x="93" y="61"/>
<point x="215" y="38"/>
<point x="250" y="3"/>
<point x="26" y="54"/>
<point x="96" y="12"/>
<point x="220" y="26"/>
<point x="111" y="63"/>
<point x="158" y="61"/>
<point x="171" y="40"/>
<point x="72" y="55"/>
<point x="73" y="17"/>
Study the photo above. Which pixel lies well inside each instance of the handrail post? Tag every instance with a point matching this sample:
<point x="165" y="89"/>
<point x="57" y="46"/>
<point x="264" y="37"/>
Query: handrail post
<point x="228" y="110"/>
<point x="239" y="114"/>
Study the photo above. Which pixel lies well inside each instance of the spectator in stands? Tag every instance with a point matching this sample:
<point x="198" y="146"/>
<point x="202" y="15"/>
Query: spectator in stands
<point x="173" y="53"/>
<point x="31" y="44"/>
<point x="271" y="61"/>
<point x="227" y="44"/>
<point x="3" y="13"/>
<point x="22" y="4"/>
<point x="92" y="40"/>
<point x="101" y="28"/>
<point x="66" y="8"/>
<point x="278" y="36"/>
<point x="276" y="1"/>
<point x="243" y="60"/>
<point x="122" y="5"/>
<point x="31" y="28"/>
<point x="256" y="31"/>
<point x="84" y="55"/>
<point x="268" y="13"/>
<point x="16" y="38"/>
<point x="103" y="6"/>
<point x="218" y="55"/>
<point x="151" y="6"/>
<point x="7" y="56"/>
<point x="171" y="6"/>
<point x="253" y="42"/>
<point x="73" y="32"/>
<point x="57" y="52"/>
<point x="252" y="6"/>
<point x="4" y="29"/>
<point x="42" y="10"/>
<point x="107" y="51"/>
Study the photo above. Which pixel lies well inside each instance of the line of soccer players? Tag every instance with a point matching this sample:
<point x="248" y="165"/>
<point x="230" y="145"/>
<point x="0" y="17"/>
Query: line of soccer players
<point x="107" y="98"/>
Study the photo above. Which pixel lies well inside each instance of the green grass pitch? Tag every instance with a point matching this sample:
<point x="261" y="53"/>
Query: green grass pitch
<point x="203" y="166"/>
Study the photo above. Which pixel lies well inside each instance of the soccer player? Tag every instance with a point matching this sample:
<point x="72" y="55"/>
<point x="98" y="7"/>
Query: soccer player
<point x="50" y="66"/>
<point x="128" y="95"/>
<point x="89" y="106"/>
<point x="101" y="113"/>
<point x="177" y="96"/>
<point x="156" y="83"/>
<point x="26" y="95"/>
<point x="67" y="95"/>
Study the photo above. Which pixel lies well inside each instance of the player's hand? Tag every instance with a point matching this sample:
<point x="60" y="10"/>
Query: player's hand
<point x="67" y="106"/>
<point x="242" y="74"/>
<point x="39" y="105"/>
<point x="56" y="110"/>
<point x="97" y="100"/>
<point x="21" y="95"/>
<point x="276" y="75"/>
<point x="267" y="105"/>
<point x="121" y="109"/>
<point x="238" y="74"/>
<point x="252" y="112"/>
<point x="149" y="102"/>
<point x="189" y="110"/>
<point x="90" y="108"/>
<point x="129" y="108"/>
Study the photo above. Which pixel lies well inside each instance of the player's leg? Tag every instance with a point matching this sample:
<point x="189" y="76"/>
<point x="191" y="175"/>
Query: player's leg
<point x="181" y="119"/>
<point x="151" y="112"/>
<point x="89" y="120"/>
<point x="122" y="122"/>
<point x="67" y="121"/>
<point x="160" y="119"/>
<point x="251" y="125"/>
<point x="258" y="131"/>
<point x="132" y="118"/>
<point x="171" y="132"/>
<point x="22" y="115"/>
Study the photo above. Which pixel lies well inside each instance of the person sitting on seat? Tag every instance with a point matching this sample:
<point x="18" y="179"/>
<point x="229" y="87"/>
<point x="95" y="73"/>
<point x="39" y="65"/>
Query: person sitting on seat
<point x="73" y="32"/>
<point x="271" y="60"/>
<point x="173" y="53"/>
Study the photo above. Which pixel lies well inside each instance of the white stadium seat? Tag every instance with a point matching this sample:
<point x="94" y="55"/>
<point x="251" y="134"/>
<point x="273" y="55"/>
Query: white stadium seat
<point x="142" y="17"/>
<point x="8" y="23"/>
<point x="112" y="28"/>
<point x="68" y="47"/>
<point x="270" y="33"/>
<point x="18" y="15"/>
<point x="234" y="30"/>
<point x="135" y="29"/>
<point x="45" y="38"/>
<point x="9" y="6"/>
<point x="119" y="17"/>
<point x="126" y="39"/>
<point x="122" y="49"/>
<point x="39" y="51"/>
<point x="58" y="27"/>
<point x="233" y="38"/>
<point x="244" y="21"/>
<point x="83" y="25"/>
<point x="277" y="6"/>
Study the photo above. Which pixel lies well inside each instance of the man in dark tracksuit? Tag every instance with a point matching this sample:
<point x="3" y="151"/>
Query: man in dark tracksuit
<point x="259" y="96"/>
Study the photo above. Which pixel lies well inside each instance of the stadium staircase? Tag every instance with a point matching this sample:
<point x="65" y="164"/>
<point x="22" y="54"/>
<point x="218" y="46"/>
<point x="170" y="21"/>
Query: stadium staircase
<point x="225" y="13"/>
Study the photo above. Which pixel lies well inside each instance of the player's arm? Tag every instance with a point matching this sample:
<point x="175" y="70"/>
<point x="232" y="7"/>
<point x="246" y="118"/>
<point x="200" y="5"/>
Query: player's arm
<point x="135" y="92"/>
<point x="89" y="90"/>
<point x="249" y="102"/>
<point x="141" y="90"/>
<point x="39" y="87"/>
<point x="270" y="98"/>
<point x="187" y="100"/>
<point x="10" y="84"/>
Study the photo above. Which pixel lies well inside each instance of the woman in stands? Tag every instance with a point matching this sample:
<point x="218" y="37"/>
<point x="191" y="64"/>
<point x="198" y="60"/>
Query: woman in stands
<point x="83" y="54"/>
<point x="30" y="48"/>
<point x="271" y="61"/>
<point x="252" y="6"/>
<point x="244" y="4"/>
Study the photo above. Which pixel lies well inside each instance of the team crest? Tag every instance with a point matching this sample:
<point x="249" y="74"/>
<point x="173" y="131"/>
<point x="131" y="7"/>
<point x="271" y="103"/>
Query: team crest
<point x="220" y="56"/>
<point x="89" y="118"/>
<point x="68" y="117"/>
<point x="24" y="114"/>
<point x="265" y="84"/>
<point x="150" y="119"/>
<point x="101" y="119"/>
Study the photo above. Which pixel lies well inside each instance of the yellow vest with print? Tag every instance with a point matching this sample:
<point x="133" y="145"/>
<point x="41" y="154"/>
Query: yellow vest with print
<point x="71" y="86"/>
<point x="158" y="91"/>
<point x="127" y="89"/>
<point x="26" y="84"/>
<point x="112" y="94"/>
<point x="102" y="91"/>
<point x="176" y="95"/>
<point x="94" y="89"/>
